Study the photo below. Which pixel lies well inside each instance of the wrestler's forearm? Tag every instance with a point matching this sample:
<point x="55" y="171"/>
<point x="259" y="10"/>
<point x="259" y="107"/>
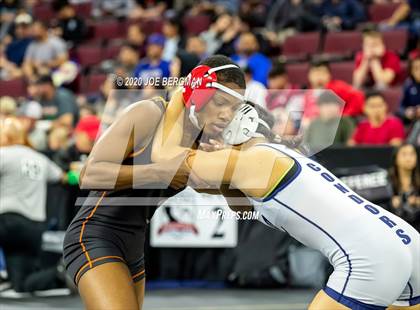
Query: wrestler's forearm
<point x="214" y="168"/>
<point x="254" y="172"/>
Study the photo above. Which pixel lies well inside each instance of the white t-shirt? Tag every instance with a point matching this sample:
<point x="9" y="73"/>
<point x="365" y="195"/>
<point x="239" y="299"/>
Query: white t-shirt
<point x="24" y="174"/>
<point x="45" y="51"/>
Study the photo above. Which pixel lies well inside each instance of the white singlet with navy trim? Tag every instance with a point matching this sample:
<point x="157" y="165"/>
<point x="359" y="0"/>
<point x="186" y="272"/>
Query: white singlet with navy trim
<point x="375" y="254"/>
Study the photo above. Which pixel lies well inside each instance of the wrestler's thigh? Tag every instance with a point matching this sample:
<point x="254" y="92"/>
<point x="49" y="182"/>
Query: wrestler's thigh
<point x="108" y="286"/>
<point x="322" y="301"/>
<point x="139" y="289"/>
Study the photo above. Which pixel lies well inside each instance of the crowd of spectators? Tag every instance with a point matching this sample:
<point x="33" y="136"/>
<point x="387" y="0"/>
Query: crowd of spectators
<point x="61" y="59"/>
<point x="154" y="40"/>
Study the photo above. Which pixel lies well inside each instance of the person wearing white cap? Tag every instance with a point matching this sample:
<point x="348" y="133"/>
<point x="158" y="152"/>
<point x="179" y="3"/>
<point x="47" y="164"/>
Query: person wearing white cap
<point x="15" y="51"/>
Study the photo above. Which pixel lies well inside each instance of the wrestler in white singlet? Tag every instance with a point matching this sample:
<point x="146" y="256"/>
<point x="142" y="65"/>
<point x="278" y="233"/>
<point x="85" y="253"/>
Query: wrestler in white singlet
<point x="375" y="254"/>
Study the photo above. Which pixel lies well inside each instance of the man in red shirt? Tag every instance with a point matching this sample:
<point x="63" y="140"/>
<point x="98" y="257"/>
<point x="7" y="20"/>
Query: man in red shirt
<point x="375" y="65"/>
<point x="378" y="128"/>
<point x="320" y="79"/>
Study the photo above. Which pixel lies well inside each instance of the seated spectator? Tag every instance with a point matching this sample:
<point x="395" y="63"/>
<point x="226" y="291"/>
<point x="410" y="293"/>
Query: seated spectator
<point x="410" y="103"/>
<point x="197" y="45"/>
<point x="114" y="8"/>
<point x="415" y="52"/>
<point x="281" y="90"/>
<point x="72" y="154"/>
<point x="255" y="91"/>
<point x="230" y="36"/>
<point x="248" y="55"/>
<point x="12" y="50"/>
<point x="339" y="15"/>
<point x="153" y="66"/>
<point x="23" y="216"/>
<point x="136" y="37"/>
<point x="253" y="13"/>
<point x="111" y="100"/>
<point x="86" y="109"/>
<point x="379" y="127"/>
<point x="8" y="11"/>
<point x="173" y="40"/>
<point x="127" y="61"/>
<point x="58" y="139"/>
<point x="70" y="27"/>
<point x="329" y="128"/>
<point x="144" y="9"/>
<point x="283" y="100"/>
<point x="29" y="113"/>
<point x="183" y="63"/>
<point x="405" y="180"/>
<point x="214" y="36"/>
<point x="58" y="104"/>
<point x="8" y="70"/>
<point x="85" y="133"/>
<point x="407" y="15"/>
<point x="15" y="51"/>
<point x="294" y="14"/>
<point x="319" y="77"/>
<point x="45" y="53"/>
<point x="414" y="135"/>
<point x="99" y="99"/>
<point x="375" y="66"/>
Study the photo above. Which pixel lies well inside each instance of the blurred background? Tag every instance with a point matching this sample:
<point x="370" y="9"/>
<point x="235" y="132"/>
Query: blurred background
<point x="58" y="66"/>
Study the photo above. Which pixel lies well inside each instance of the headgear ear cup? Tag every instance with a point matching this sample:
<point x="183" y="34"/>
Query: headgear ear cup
<point x="243" y="126"/>
<point x="197" y="80"/>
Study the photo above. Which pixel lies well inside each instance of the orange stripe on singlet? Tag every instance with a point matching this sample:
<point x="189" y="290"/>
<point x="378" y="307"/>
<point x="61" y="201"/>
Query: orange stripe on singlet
<point x="83" y="229"/>
<point x="138" y="274"/>
<point x="93" y="261"/>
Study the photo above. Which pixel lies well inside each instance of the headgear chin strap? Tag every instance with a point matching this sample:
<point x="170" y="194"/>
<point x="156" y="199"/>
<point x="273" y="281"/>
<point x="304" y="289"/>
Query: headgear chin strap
<point x="204" y="79"/>
<point x="243" y="126"/>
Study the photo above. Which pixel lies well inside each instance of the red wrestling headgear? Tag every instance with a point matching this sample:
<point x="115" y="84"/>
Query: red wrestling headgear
<point x="204" y="79"/>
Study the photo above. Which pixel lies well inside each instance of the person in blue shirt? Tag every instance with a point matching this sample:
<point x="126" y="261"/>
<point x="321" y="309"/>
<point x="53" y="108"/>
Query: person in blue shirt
<point x="410" y="103"/>
<point x="248" y="56"/>
<point x="15" y="51"/>
<point x="153" y="66"/>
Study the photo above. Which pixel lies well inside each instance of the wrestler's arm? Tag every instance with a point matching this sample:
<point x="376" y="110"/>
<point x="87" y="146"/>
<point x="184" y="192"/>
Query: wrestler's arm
<point x="254" y="171"/>
<point x="104" y="169"/>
